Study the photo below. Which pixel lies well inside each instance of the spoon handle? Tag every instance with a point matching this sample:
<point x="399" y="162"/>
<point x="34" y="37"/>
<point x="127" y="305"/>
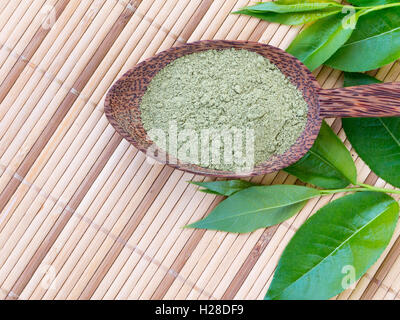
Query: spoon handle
<point x="375" y="100"/>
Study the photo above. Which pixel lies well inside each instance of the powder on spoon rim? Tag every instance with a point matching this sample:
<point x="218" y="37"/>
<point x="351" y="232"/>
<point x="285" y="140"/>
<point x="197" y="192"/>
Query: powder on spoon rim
<point x="223" y="109"/>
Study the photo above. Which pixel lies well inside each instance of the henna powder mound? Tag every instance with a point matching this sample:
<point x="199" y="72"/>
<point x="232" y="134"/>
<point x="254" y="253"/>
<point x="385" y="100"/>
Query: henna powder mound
<point x="227" y="109"/>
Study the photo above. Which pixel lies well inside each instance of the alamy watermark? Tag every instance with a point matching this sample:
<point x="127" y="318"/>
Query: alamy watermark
<point x="231" y="148"/>
<point x="49" y="275"/>
<point x="349" y="280"/>
<point x="350" y="20"/>
<point x="49" y="15"/>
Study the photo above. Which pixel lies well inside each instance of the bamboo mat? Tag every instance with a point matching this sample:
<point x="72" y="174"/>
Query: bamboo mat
<point x="82" y="214"/>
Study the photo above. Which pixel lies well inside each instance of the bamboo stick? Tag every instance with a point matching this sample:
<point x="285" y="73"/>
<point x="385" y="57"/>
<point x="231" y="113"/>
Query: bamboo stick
<point x="21" y="195"/>
<point x="158" y="202"/>
<point x="390" y="284"/>
<point x="149" y="291"/>
<point x="22" y="247"/>
<point x="130" y="264"/>
<point x="95" y="114"/>
<point x="69" y="74"/>
<point x="16" y="135"/>
<point x="126" y="214"/>
<point x="153" y="262"/>
<point x="96" y="243"/>
<point x="79" y="228"/>
<point x="3" y="7"/>
<point x="42" y="58"/>
<point x="75" y="229"/>
<point x="91" y="101"/>
<point x="115" y="167"/>
<point x="23" y="33"/>
<point x="160" y="208"/>
<point x="10" y="17"/>
<point x="116" y="268"/>
<point x="32" y="177"/>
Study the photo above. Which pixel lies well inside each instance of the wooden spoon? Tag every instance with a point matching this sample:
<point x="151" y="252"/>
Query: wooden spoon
<point x="122" y="105"/>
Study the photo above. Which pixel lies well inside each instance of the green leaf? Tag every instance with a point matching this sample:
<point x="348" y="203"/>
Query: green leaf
<point x="376" y="140"/>
<point x="328" y="164"/>
<point x="257" y="207"/>
<point x="367" y="3"/>
<point x="224" y="188"/>
<point x="292" y="12"/>
<point x="347" y="235"/>
<point x="374" y="43"/>
<point x="358" y="79"/>
<point x="321" y="40"/>
<point x="294" y="18"/>
<point x="209" y="192"/>
<point x="289" y="6"/>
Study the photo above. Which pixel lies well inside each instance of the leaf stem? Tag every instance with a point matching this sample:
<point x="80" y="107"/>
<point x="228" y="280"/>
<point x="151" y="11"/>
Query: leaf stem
<point x="333" y="191"/>
<point x="382" y="6"/>
<point x="371" y="188"/>
<point x="361" y="188"/>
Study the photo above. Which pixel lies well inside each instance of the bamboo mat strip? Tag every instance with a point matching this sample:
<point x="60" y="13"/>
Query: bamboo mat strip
<point x="24" y="32"/>
<point x="45" y="136"/>
<point x="45" y="65"/>
<point x="3" y="9"/>
<point x="131" y="229"/>
<point x="115" y="159"/>
<point x="133" y="275"/>
<point x="148" y="214"/>
<point x="13" y="21"/>
<point x="89" y="217"/>
<point x="38" y="111"/>
<point x="82" y="222"/>
<point x="28" y="52"/>
<point x="382" y="272"/>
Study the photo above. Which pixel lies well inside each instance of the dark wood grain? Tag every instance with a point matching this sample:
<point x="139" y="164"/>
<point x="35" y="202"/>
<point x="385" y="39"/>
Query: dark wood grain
<point x="375" y="100"/>
<point x="122" y="105"/>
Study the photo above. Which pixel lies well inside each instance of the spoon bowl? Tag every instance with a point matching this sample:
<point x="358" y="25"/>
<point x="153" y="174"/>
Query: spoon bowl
<point x="122" y="104"/>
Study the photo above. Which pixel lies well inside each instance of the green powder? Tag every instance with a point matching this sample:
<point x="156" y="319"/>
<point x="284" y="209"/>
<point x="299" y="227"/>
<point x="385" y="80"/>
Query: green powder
<point x="230" y="109"/>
